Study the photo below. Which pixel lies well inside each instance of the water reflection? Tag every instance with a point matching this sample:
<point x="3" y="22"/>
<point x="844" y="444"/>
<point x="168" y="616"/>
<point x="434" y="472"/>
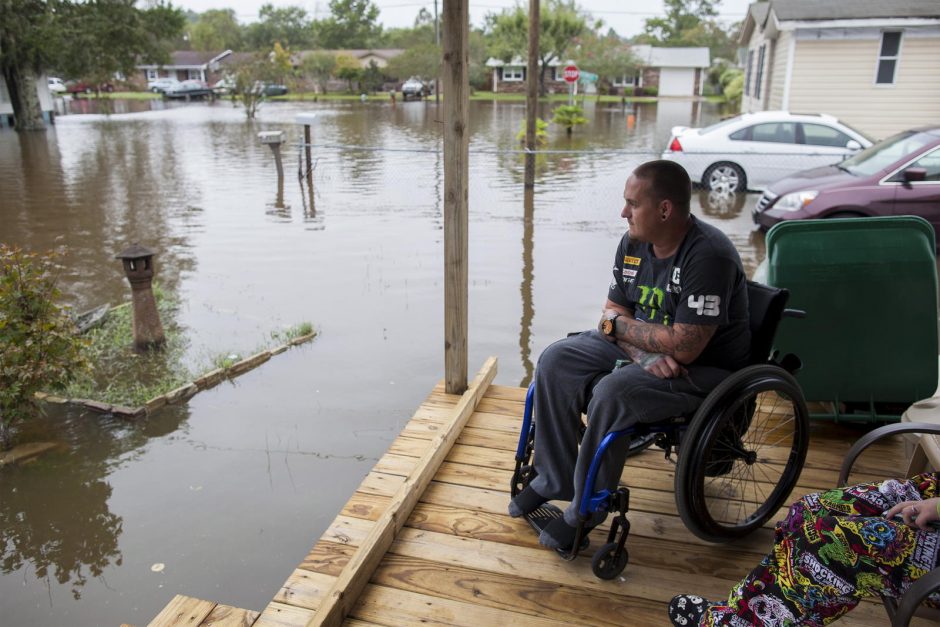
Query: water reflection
<point x="55" y="519"/>
<point x="525" y="289"/>
<point x="724" y="204"/>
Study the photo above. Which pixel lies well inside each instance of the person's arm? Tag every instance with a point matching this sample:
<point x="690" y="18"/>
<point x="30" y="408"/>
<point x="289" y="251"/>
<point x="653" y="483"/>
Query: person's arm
<point x="682" y="342"/>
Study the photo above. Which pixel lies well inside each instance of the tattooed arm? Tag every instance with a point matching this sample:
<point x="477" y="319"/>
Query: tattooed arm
<point x="682" y="342"/>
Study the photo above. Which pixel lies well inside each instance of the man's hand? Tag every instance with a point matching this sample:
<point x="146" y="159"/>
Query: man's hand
<point x="663" y="366"/>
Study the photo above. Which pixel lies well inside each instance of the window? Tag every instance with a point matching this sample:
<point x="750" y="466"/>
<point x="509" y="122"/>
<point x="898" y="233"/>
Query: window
<point x="743" y="135"/>
<point x="820" y="135"/>
<point x="514" y="73"/>
<point x="929" y="162"/>
<point x="194" y="74"/>
<point x="888" y="58"/>
<point x="152" y="74"/>
<point x="747" y="74"/>
<point x="625" y="81"/>
<point x="760" y="71"/>
<point x="777" y="132"/>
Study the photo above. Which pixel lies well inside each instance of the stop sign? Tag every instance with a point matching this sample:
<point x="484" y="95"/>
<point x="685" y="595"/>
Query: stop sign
<point x="571" y="73"/>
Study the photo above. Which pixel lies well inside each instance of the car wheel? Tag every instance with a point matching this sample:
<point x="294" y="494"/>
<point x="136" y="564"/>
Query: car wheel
<point x="724" y="177"/>
<point x="155" y="90"/>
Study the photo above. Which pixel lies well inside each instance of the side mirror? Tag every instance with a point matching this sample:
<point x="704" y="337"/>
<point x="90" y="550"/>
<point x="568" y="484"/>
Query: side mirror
<point x="915" y="174"/>
<point x="853" y="145"/>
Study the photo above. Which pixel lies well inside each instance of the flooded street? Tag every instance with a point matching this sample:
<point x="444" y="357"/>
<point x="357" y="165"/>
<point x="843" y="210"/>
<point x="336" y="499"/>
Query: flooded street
<point x="229" y="491"/>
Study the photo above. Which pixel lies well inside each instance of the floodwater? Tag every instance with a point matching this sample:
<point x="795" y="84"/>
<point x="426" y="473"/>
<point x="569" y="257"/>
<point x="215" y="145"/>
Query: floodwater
<point x="222" y="497"/>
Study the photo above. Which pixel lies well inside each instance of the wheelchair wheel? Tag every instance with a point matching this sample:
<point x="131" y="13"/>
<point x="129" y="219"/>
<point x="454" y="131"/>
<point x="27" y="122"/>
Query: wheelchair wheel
<point x="607" y="563"/>
<point x="746" y="447"/>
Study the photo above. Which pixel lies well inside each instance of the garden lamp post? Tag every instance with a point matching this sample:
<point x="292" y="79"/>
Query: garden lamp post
<point x="138" y="266"/>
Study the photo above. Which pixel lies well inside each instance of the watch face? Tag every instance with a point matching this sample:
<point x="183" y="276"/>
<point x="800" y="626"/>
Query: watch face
<point x="608" y="327"/>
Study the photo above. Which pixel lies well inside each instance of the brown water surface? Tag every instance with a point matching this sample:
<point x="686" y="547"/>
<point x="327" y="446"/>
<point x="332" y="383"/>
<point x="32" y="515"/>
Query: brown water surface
<point x="228" y="492"/>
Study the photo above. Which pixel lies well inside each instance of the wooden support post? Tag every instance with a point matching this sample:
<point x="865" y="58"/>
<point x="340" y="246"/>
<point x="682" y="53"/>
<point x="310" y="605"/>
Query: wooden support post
<point x="340" y="599"/>
<point x="307" y="154"/>
<point x="532" y="93"/>
<point x="456" y="17"/>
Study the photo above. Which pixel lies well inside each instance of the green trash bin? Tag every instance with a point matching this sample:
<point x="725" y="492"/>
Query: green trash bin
<point x="869" y="290"/>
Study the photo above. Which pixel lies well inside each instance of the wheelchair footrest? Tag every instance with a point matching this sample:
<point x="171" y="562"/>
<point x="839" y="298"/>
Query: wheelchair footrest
<point x="545" y="514"/>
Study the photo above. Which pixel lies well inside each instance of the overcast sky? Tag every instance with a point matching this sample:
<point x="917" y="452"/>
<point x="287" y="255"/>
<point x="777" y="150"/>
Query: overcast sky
<point x="625" y="16"/>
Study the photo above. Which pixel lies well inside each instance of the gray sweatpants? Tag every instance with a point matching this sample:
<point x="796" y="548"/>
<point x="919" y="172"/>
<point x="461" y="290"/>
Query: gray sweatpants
<point x="563" y="378"/>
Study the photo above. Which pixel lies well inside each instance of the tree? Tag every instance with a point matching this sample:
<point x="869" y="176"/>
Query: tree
<point x="348" y="69"/>
<point x="608" y="56"/>
<point x="249" y="77"/>
<point x="287" y="25"/>
<point x="92" y="40"/>
<point x="423" y="61"/>
<point x="372" y="77"/>
<point x="560" y="22"/>
<point x="320" y="67"/>
<point x="681" y="16"/>
<point x="352" y="24"/>
<point x="216" y="29"/>
<point x="38" y="347"/>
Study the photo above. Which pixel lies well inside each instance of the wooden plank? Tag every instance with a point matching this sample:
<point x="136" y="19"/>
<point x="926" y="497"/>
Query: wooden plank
<point x="517" y="595"/>
<point x="183" y="610"/>
<point x="356" y="574"/>
<point x="304" y="589"/>
<point x="283" y="615"/>
<point x="400" y="607"/>
<point x="228" y="616"/>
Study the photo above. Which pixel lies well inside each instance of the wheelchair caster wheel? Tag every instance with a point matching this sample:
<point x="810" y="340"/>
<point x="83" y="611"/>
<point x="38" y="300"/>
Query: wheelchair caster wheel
<point x="607" y="563"/>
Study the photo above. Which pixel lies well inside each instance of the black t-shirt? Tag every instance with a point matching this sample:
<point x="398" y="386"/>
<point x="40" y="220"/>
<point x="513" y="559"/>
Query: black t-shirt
<point x="703" y="283"/>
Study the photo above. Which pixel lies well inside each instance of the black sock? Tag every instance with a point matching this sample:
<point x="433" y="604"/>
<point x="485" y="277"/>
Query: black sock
<point x="558" y="535"/>
<point x="525" y="502"/>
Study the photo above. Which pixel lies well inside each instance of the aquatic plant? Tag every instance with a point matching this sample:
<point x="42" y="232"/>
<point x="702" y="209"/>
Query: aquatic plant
<point x="38" y="346"/>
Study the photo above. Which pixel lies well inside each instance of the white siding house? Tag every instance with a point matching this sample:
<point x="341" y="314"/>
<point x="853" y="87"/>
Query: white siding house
<point x="874" y="65"/>
<point x="45" y="102"/>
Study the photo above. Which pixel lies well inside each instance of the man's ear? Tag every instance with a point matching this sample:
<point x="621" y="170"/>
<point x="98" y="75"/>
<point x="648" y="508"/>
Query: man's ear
<point x="665" y="209"/>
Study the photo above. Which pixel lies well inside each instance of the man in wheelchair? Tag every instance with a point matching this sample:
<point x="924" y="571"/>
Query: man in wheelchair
<point x="676" y="314"/>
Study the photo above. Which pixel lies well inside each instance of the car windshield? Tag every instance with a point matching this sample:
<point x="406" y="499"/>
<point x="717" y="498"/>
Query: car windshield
<point x="878" y="157"/>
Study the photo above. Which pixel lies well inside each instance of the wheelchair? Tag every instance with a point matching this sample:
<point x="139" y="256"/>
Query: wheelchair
<point x="738" y="456"/>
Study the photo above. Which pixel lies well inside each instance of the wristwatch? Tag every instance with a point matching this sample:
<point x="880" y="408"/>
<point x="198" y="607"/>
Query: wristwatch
<point x="609" y="326"/>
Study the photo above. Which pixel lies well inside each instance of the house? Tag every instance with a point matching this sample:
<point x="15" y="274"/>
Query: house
<point x="45" y="102"/>
<point x="510" y="77"/>
<point x="672" y="71"/>
<point x="669" y="71"/>
<point x="189" y="64"/>
<point x="874" y="64"/>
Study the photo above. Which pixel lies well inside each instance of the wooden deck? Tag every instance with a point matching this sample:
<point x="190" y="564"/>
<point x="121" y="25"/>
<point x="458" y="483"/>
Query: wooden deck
<point x="459" y="559"/>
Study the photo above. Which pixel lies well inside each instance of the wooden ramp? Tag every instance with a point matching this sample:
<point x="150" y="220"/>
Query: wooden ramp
<point x="457" y="558"/>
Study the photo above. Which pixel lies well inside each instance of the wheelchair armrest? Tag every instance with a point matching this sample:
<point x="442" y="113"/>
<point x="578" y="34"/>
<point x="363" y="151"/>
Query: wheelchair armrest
<point x="793" y="313"/>
<point x="873" y="436"/>
<point x="910" y="602"/>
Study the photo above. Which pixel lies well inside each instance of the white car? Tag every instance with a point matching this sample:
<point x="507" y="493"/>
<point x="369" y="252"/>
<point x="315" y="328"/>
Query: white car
<point x="162" y="85"/>
<point x="753" y="150"/>
<point x="56" y="85"/>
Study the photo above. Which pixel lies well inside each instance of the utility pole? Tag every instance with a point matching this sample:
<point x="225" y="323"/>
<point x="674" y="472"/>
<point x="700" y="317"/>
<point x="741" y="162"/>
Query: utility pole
<point x="437" y="41"/>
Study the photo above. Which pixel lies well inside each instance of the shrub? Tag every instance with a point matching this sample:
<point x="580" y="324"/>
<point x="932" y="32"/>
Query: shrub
<point x="38" y="347"/>
<point x="541" y="132"/>
<point x="568" y="116"/>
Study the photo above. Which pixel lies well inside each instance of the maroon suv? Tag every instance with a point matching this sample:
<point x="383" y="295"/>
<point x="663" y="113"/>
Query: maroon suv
<point x="898" y="176"/>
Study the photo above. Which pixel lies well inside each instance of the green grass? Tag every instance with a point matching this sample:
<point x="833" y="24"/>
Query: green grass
<point x="123" y="376"/>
